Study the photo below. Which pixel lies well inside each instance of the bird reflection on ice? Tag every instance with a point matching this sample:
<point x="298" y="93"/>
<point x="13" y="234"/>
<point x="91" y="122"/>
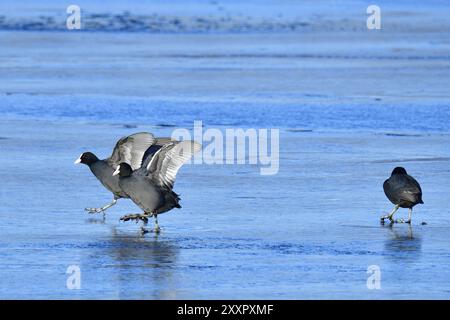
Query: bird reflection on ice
<point x="403" y="243"/>
<point x="144" y="263"/>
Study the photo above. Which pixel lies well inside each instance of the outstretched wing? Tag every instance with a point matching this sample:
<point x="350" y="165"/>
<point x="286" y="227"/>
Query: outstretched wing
<point x="166" y="162"/>
<point x="131" y="149"/>
<point x="150" y="152"/>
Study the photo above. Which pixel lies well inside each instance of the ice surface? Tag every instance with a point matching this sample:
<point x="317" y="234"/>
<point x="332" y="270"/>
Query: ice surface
<point x="212" y="16"/>
<point x="309" y="232"/>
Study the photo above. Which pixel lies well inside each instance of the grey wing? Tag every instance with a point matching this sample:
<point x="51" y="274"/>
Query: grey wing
<point x="131" y="149"/>
<point x="166" y="162"/>
<point x="150" y="152"/>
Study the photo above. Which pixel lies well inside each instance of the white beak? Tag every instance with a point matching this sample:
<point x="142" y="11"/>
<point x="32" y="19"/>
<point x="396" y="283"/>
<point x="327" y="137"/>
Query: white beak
<point x="117" y="171"/>
<point x="77" y="161"/>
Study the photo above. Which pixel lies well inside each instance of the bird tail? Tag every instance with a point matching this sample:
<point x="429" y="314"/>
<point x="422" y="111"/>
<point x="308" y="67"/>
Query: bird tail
<point x="171" y="201"/>
<point x="176" y="199"/>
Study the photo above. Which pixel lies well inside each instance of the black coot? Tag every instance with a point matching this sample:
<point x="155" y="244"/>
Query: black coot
<point x="403" y="191"/>
<point x="130" y="149"/>
<point x="150" y="187"/>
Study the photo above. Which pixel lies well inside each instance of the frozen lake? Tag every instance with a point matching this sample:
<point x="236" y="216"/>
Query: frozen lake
<point x="350" y="105"/>
<point x="309" y="232"/>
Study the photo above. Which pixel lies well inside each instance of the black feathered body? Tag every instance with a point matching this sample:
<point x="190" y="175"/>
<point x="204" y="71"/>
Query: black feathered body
<point x="148" y="196"/>
<point x="403" y="190"/>
<point x="128" y="149"/>
<point x="151" y="185"/>
<point x="104" y="173"/>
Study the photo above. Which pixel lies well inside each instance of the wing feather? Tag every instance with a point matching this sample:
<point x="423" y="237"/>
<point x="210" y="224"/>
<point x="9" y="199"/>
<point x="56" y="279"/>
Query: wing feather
<point x="166" y="162"/>
<point x="131" y="149"/>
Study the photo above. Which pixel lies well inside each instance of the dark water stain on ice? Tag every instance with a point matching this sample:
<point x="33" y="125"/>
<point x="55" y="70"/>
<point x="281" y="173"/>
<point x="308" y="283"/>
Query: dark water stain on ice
<point x="300" y="130"/>
<point x="130" y="126"/>
<point x="165" y="125"/>
<point x="403" y="135"/>
<point x="414" y="160"/>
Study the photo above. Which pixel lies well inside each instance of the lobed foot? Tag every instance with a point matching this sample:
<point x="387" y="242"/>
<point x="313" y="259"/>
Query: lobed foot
<point x="403" y="221"/>
<point x="156" y="231"/>
<point x="137" y="217"/>
<point x="94" y="210"/>
<point x="386" y="217"/>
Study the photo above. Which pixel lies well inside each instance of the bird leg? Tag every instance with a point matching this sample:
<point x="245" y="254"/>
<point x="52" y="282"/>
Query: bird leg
<point x="102" y="209"/>
<point x="409" y="218"/>
<point x="390" y="215"/>
<point x="144" y="218"/>
<point x="157" y="228"/>
<point x="144" y="230"/>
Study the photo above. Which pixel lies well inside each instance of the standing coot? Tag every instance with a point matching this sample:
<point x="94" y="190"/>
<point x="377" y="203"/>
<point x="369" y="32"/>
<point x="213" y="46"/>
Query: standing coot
<point x="403" y="191"/>
<point x="150" y="187"/>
